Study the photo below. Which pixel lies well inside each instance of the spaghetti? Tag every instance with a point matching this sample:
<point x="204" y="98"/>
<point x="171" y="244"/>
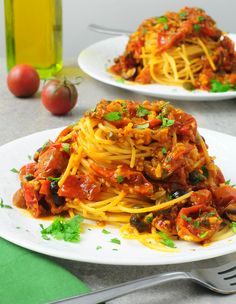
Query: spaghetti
<point x="184" y="49"/>
<point x="144" y="166"/>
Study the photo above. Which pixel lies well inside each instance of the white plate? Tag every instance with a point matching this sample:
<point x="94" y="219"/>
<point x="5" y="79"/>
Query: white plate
<point x="95" y="59"/>
<point x="21" y="229"/>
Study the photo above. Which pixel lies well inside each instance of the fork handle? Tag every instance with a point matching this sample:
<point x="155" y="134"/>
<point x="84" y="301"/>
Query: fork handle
<point x="109" y="31"/>
<point x="124" y="288"/>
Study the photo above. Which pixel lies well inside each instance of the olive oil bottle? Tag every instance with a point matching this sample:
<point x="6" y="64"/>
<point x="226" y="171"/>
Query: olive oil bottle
<point x="34" y="34"/>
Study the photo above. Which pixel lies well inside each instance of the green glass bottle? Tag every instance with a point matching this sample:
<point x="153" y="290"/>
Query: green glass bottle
<point x="34" y="34"/>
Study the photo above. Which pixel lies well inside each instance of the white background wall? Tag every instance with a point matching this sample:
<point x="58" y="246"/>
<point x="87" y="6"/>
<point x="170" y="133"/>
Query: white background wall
<point x="77" y="14"/>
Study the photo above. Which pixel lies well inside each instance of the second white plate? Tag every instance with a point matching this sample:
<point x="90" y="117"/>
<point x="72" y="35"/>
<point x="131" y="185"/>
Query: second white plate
<point x="95" y="60"/>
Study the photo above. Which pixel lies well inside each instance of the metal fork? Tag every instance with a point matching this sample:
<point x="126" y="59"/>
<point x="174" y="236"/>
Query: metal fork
<point x="109" y="31"/>
<point x="220" y="279"/>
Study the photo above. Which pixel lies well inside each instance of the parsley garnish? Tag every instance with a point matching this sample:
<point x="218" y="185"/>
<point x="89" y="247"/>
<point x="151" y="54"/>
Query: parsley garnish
<point x="29" y="157"/>
<point x="149" y="219"/>
<point x="54" y="179"/>
<point x="142" y="112"/>
<point x="98" y="247"/>
<point x="165" y="240"/>
<point x="120" y="179"/>
<point x="66" y="147"/>
<point x="167" y="123"/>
<point x="105" y="231"/>
<point x="63" y="229"/>
<point x="93" y="109"/>
<point x="196" y="27"/>
<point x="218" y="87"/>
<point x="162" y="19"/>
<point x="186" y="218"/>
<point x="205" y="171"/>
<point x="203" y="234"/>
<point x="233" y="226"/>
<point x="3" y="205"/>
<point x="183" y="15"/>
<point x="14" y="170"/>
<point x="166" y="26"/>
<point x="115" y="241"/>
<point x="228" y="182"/>
<point x="113" y="116"/>
<point x="201" y="19"/>
<point x="144" y="126"/>
<point x="120" y="80"/>
<point x="114" y="249"/>
<point x="163" y="150"/>
<point x="196" y="224"/>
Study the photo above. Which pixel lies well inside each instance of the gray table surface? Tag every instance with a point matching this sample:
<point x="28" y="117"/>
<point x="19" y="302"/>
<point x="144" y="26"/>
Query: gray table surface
<point x="20" y="117"/>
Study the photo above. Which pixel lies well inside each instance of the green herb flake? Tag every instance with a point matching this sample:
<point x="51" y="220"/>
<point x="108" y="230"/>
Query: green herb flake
<point x="53" y="179"/>
<point x="201" y="18"/>
<point x="63" y="229"/>
<point x="197" y="27"/>
<point x="186" y="218"/>
<point x="166" y="26"/>
<point x="233" y="226"/>
<point x="164" y="151"/>
<point x="116" y="241"/>
<point x="113" y="116"/>
<point x="205" y="171"/>
<point x="66" y="147"/>
<point x="17" y="227"/>
<point x="183" y="15"/>
<point x="120" y="179"/>
<point x="114" y="249"/>
<point x="167" y="123"/>
<point x="164" y="104"/>
<point x="203" y="234"/>
<point x="120" y="80"/>
<point x="105" y="231"/>
<point x="2" y="205"/>
<point x="14" y="170"/>
<point x="44" y="145"/>
<point x="165" y="240"/>
<point x="143" y="126"/>
<point x="29" y="157"/>
<point x="209" y="214"/>
<point x="149" y="219"/>
<point x="93" y="109"/>
<point x="228" y="182"/>
<point x="162" y="19"/>
<point x="98" y="247"/>
<point x="218" y="87"/>
<point x="196" y="224"/>
<point x="142" y="112"/>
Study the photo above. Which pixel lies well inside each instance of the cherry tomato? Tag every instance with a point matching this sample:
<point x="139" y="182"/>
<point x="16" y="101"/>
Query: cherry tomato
<point x="197" y="223"/>
<point x="59" y="97"/>
<point x="23" y="80"/>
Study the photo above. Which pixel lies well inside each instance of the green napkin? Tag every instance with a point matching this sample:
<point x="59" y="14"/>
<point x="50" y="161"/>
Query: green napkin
<point x="31" y="278"/>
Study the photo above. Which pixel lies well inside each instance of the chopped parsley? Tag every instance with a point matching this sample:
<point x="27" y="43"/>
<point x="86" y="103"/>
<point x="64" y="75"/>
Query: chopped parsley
<point x="114" y="249"/>
<point x="14" y="170"/>
<point x="120" y="179"/>
<point x="186" y="218"/>
<point x="197" y="27"/>
<point x="162" y="19"/>
<point x="63" y="229"/>
<point x="165" y="240"/>
<point x="196" y="224"/>
<point x="203" y="234"/>
<point x="120" y="80"/>
<point x="183" y="15"/>
<point x="98" y="247"/>
<point x="93" y="109"/>
<point x="233" y="226"/>
<point x="113" y="116"/>
<point x="167" y="123"/>
<point x="105" y="231"/>
<point x="218" y="87"/>
<point x="201" y="19"/>
<point x="2" y="205"/>
<point x="54" y="179"/>
<point x="29" y="157"/>
<point x="143" y="126"/>
<point x="149" y="219"/>
<point x="115" y="241"/>
<point x="228" y="182"/>
<point x="66" y="147"/>
<point x="163" y="150"/>
<point x="205" y="171"/>
<point x="142" y="112"/>
<point x="166" y="26"/>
